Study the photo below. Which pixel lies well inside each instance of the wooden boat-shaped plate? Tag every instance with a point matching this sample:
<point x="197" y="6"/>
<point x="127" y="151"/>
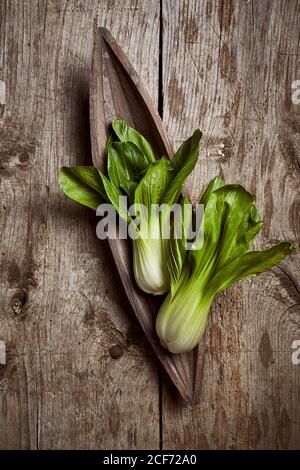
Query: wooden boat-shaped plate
<point x="117" y="91"/>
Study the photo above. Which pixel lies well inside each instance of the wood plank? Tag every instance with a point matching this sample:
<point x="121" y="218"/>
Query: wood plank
<point x="228" y="68"/>
<point x="79" y="372"/>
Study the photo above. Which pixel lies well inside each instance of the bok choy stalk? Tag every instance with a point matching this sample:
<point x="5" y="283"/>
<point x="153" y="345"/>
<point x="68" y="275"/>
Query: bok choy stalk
<point x="133" y="170"/>
<point x="230" y="223"/>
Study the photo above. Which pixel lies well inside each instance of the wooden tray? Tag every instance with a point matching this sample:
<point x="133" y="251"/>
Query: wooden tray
<point x="117" y="91"/>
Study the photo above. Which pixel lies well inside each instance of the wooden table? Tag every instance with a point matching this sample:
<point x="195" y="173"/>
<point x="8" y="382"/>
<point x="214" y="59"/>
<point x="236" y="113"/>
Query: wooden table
<point x="78" y="371"/>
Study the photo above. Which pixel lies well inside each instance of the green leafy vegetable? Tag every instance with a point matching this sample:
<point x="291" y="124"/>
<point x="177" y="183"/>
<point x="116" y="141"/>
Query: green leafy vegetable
<point x="125" y="133"/>
<point x="114" y="195"/>
<point x="183" y="164"/>
<point x="83" y="184"/>
<point x="126" y="165"/>
<point x="160" y="182"/>
<point x="150" y="249"/>
<point x="134" y="171"/>
<point x="154" y="184"/>
<point x="213" y="185"/>
<point x="230" y="224"/>
<point x="178" y="244"/>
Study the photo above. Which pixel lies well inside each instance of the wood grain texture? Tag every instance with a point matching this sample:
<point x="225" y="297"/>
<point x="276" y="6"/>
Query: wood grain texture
<point x="228" y="67"/>
<point x="79" y="372"/>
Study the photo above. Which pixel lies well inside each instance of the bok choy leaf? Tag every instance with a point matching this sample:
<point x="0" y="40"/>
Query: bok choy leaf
<point x="82" y="184"/>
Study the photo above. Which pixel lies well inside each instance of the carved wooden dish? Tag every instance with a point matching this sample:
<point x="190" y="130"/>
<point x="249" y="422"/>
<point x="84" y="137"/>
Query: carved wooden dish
<point x="117" y="91"/>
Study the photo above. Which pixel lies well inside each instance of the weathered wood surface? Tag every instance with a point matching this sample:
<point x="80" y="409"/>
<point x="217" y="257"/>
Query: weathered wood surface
<point x="62" y="308"/>
<point x="228" y="67"/>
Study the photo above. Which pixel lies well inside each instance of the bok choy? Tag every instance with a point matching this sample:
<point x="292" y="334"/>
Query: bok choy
<point x="134" y="171"/>
<point x="231" y="221"/>
<point x="161" y="184"/>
